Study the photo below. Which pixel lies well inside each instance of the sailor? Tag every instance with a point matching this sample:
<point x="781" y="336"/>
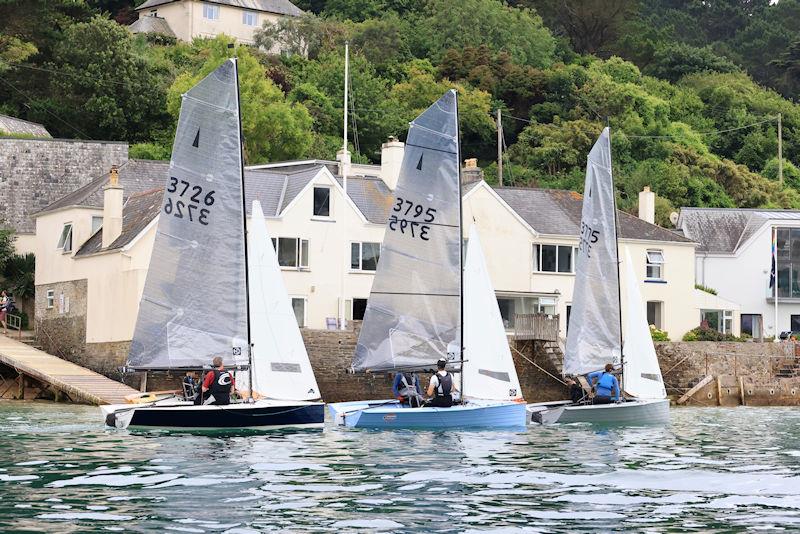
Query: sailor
<point x="441" y="387"/>
<point x="406" y="389"/>
<point x="606" y="385"/>
<point x="575" y="390"/>
<point x="218" y="383"/>
<point x="189" y="385"/>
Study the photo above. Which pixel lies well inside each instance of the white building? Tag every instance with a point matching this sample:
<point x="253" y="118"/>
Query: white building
<point x="734" y="257"/>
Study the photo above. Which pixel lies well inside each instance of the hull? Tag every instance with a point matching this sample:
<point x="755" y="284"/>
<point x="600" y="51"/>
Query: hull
<point x="263" y="414"/>
<point x="391" y="414"/>
<point x="636" y="412"/>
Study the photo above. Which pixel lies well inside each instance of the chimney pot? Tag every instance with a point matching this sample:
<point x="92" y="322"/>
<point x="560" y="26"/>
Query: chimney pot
<point x="391" y="160"/>
<point x="471" y="163"/>
<point x="647" y="205"/>
<point x="112" y="208"/>
<point x="471" y="172"/>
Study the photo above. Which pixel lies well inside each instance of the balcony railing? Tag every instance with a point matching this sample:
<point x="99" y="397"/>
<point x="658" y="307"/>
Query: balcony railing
<point x="536" y="326"/>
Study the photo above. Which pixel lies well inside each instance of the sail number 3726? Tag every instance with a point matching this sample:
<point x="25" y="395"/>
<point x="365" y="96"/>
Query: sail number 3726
<point x="411" y="219"/>
<point x="190" y="203"/>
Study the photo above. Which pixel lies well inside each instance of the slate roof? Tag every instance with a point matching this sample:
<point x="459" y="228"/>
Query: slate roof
<point x="282" y="7"/>
<point x="13" y="125"/>
<point x="138" y="212"/>
<point x="558" y="212"/>
<point x="724" y="230"/>
<point x="151" y="24"/>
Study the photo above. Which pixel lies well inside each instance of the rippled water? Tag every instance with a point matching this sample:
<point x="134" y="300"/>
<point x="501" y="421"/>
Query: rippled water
<point x="726" y="469"/>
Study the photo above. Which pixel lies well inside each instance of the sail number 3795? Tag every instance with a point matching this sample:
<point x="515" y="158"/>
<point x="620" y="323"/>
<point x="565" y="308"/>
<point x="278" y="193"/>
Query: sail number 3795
<point x="411" y="219"/>
<point x="190" y="201"/>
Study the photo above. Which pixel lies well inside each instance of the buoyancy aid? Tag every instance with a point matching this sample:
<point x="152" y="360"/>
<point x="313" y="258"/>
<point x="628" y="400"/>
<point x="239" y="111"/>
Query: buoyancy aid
<point x="445" y="385"/>
<point x="221" y="387"/>
<point x="606" y="383"/>
<point x="408" y="383"/>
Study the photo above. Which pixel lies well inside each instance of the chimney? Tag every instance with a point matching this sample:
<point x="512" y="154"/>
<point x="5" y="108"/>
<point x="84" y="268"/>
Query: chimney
<point x="471" y="172"/>
<point x="647" y="205"/>
<point x="343" y="157"/>
<point x="391" y="160"/>
<point x="112" y="208"/>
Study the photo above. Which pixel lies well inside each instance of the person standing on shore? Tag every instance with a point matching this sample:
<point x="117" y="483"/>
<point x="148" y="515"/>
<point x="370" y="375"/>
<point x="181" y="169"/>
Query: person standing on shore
<point x="4" y="302"/>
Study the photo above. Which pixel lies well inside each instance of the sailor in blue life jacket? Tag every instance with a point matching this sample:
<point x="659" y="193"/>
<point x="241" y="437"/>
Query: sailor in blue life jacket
<point x="189" y="386"/>
<point x="406" y="389"/>
<point x="218" y="383"/>
<point x="441" y="387"/>
<point x="606" y="385"/>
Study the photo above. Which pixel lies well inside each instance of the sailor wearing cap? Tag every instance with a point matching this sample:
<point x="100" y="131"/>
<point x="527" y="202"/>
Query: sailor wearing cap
<point x="441" y="387"/>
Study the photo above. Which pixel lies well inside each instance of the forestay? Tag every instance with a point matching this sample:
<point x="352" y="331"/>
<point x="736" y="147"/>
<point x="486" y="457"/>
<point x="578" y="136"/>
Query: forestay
<point x="489" y="371"/>
<point x="642" y="374"/>
<point x="281" y="368"/>
<point x="194" y="305"/>
<point x="413" y="312"/>
<point x="593" y="338"/>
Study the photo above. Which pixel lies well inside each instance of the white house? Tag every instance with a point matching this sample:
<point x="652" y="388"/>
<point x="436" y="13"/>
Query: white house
<point x="734" y="257"/>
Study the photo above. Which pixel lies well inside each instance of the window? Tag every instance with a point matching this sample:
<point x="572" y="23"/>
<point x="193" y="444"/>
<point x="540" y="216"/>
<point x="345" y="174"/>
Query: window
<point x="513" y="305"/>
<point x="50" y="298"/>
<point x="299" y="307"/>
<point x="249" y="18"/>
<point x="65" y="241"/>
<point x="788" y="263"/>
<point x="554" y="258"/>
<point x="97" y="223"/>
<point x="794" y="323"/>
<point x="654" y="313"/>
<point x="751" y="324"/>
<point x="292" y="252"/>
<point x="210" y="12"/>
<point x="719" y="320"/>
<point x="364" y="256"/>
<point x="322" y="202"/>
<point x="359" y="308"/>
<point x="655" y="265"/>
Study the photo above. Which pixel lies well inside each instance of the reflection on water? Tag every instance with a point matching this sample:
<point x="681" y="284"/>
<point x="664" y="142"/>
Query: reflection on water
<point x="712" y="469"/>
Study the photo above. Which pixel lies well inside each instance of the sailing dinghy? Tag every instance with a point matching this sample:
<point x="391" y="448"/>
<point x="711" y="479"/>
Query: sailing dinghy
<point x="424" y="305"/>
<point x="209" y="281"/>
<point x="594" y="337"/>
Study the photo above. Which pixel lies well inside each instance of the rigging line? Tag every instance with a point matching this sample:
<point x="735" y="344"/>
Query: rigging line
<point x="356" y="143"/>
<point x="63" y="73"/>
<point x="30" y="101"/>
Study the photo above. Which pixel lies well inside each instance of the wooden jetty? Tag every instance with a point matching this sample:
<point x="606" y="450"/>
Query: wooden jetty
<point x="63" y="380"/>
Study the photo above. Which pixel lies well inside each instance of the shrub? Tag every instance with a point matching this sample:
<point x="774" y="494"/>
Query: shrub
<point x="658" y="335"/>
<point x="701" y="287"/>
<point x="704" y="333"/>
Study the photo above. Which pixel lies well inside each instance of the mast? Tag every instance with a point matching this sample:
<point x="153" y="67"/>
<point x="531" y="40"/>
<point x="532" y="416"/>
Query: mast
<point x="244" y="227"/>
<point x="616" y="243"/>
<point x="344" y="165"/>
<point x="460" y="252"/>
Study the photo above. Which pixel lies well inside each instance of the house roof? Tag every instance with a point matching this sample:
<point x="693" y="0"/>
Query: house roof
<point x="281" y="7"/>
<point x="138" y="212"/>
<point x="13" y="125"/>
<point x="558" y="212"/>
<point x="152" y="24"/>
<point x="724" y="230"/>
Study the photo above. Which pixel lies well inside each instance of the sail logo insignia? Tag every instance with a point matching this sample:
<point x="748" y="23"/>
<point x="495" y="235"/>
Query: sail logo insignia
<point x="237" y="351"/>
<point x="390" y="417"/>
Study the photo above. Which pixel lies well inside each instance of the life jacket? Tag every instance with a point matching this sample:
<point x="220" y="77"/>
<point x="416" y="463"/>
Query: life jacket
<point x="221" y="387"/>
<point x="445" y="385"/>
<point x="606" y="381"/>
<point x="408" y="383"/>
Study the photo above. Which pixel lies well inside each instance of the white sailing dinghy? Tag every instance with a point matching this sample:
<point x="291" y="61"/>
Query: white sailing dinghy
<point x="594" y="337"/>
<point x="424" y="306"/>
<point x="208" y="281"/>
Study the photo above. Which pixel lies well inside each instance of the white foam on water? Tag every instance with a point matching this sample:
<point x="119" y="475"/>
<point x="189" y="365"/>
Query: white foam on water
<point x="94" y="516"/>
<point x="16" y="478"/>
<point x="373" y="524"/>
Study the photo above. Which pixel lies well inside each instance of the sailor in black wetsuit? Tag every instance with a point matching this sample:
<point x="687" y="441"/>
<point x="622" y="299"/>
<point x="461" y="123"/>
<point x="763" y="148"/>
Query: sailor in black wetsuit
<point x="218" y="383"/>
<point x="441" y="387"/>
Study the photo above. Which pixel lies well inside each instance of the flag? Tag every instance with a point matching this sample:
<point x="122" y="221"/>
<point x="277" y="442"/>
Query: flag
<point x="774" y="270"/>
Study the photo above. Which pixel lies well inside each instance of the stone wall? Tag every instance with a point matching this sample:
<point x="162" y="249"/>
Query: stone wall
<point x="61" y="328"/>
<point x="37" y="172"/>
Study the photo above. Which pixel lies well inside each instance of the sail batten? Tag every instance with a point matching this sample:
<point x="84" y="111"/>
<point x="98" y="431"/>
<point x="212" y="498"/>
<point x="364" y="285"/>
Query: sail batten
<point x="194" y="302"/>
<point x="594" y="335"/>
<point x="413" y="313"/>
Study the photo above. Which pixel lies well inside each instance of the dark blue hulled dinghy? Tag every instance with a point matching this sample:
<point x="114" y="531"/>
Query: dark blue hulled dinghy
<point x="594" y="337"/>
<point x="417" y="307"/>
<point x="203" y="290"/>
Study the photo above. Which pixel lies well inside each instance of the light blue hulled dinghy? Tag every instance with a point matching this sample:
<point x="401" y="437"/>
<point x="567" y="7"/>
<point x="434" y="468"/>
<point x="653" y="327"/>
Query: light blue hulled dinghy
<point x="425" y="305"/>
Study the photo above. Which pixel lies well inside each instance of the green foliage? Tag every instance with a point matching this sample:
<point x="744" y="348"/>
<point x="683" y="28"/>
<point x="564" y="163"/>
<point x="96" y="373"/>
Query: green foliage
<point x="673" y="61"/>
<point x="701" y="287"/>
<point x="658" y="335"/>
<point x="149" y="151"/>
<point x="18" y="272"/>
<point x="704" y="333"/>
<point x="6" y="245"/>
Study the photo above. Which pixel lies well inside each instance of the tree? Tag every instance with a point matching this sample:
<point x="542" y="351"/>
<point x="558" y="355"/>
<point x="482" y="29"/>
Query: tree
<point x="306" y="36"/>
<point x="19" y="271"/>
<point x="273" y="128"/>
<point x="6" y="245"/>
<point x="673" y="61"/>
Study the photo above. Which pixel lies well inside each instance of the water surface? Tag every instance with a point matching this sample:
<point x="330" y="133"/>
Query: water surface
<point x="712" y="469"/>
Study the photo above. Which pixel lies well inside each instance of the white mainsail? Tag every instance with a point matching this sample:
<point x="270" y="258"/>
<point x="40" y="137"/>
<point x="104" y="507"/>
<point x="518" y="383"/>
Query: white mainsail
<point x="194" y="303"/>
<point x="413" y="312"/>
<point x="642" y="374"/>
<point x="593" y="338"/>
<point x="489" y="371"/>
<point x="281" y="368"/>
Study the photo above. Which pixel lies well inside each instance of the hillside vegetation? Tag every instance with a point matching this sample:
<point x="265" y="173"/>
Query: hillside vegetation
<point x="691" y="90"/>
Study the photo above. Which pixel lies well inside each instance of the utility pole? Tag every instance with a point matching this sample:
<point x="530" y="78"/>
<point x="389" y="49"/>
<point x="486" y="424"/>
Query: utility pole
<point x="499" y="148"/>
<point x="780" y="151"/>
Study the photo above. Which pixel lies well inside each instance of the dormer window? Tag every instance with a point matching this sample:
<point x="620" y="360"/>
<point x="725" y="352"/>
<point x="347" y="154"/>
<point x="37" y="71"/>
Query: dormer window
<point x="322" y="202"/>
<point x="65" y="241"/>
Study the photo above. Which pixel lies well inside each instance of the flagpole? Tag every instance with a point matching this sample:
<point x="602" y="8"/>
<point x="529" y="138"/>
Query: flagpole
<point x="775" y="285"/>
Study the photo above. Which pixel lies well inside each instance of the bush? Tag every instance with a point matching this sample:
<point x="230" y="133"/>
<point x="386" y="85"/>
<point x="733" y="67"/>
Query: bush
<point x="704" y="333"/>
<point x="658" y="335"/>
